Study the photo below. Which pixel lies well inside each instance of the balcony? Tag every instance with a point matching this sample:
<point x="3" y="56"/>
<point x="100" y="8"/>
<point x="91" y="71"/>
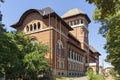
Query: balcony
<point x="90" y="64"/>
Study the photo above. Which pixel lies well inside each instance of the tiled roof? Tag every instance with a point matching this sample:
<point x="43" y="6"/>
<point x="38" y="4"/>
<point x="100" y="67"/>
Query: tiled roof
<point x="46" y="11"/>
<point x="43" y="12"/>
<point x="73" y="12"/>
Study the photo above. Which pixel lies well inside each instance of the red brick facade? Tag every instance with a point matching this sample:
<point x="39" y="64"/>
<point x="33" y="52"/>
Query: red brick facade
<point x="69" y="45"/>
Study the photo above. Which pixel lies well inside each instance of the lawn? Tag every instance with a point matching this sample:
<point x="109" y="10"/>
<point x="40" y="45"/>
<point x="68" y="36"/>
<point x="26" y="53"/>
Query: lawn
<point x="62" y="78"/>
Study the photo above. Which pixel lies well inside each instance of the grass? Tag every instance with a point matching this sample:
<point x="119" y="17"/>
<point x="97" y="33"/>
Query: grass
<point x="62" y="78"/>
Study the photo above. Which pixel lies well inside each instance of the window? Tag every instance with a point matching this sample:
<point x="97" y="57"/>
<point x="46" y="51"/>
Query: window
<point x="69" y="73"/>
<point x="31" y="27"/>
<point x="81" y="58"/>
<point x="60" y="50"/>
<point x="58" y="64"/>
<point x="27" y="29"/>
<point x="72" y="55"/>
<point x="58" y="73"/>
<point x="77" y="57"/>
<point x="72" y="73"/>
<point x="33" y="41"/>
<point x="62" y="65"/>
<point x="71" y="23"/>
<point x="62" y="73"/>
<point x="82" y="21"/>
<point x="69" y="54"/>
<point x="69" y="66"/>
<point x="77" y="21"/>
<point x="34" y="26"/>
<point x="38" y="25"/>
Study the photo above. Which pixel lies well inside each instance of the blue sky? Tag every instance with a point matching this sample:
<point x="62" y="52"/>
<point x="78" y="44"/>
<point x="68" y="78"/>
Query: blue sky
<point x="13" y="9"/>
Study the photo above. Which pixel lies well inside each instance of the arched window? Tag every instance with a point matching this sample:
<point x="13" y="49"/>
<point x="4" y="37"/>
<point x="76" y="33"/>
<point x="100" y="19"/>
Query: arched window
<point x="82" y="21"/>
<point x="27" y="28"/>
<point x="38" y="25"/>
<point x="33" y="41"/>
<point x="60" y="50"/>
<point x="69" y="53"/>
<point x="35" y="26"/>
<point x="72" y="55"/>
<point x="31" y="27"/>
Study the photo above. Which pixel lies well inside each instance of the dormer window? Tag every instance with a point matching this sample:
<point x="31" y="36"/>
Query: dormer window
<point x="78" y="22"/>
<point x="82" y="21"/>
<point x="33" y="27"/>
<point x="75" y="22"/>
<point x="38" y="25"/>
<point x="27" y="28"/>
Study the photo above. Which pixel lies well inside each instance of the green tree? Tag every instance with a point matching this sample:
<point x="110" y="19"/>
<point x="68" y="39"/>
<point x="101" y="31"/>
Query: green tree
<point x="19" y="58"/>
<point x="1" y="25"/>
<point x="106" y="7"/>
<point x="92" y="76"/>
<point x="2" y="1"/>
<point x="114" y="74"/>
<point x="108" y="14"/>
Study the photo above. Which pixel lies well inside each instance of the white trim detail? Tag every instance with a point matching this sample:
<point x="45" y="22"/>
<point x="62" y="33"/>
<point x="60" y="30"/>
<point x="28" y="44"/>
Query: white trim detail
<point x="75" y="61"/>
<point x="91" y="64"/>
<point x="41" y="30"/>
<point x="78" y="25"/>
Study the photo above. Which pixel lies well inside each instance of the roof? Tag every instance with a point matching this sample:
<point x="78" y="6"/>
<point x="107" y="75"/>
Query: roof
<point x="46" y="11"/>
<point x="75" y="12"/>
<point x="72" y="12"/>
<point x="93" y="49"/>
<point x="43" y="12"/>
<point x="74" y="38"/>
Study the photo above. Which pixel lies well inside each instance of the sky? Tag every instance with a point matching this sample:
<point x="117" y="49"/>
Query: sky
<point x="12" y="10"/>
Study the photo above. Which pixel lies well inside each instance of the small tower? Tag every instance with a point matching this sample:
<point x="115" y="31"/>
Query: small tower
<point x="79" y="21"/>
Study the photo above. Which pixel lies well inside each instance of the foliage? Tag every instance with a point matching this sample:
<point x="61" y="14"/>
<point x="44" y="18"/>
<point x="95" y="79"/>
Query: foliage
<point x="20" y="58"/>
<point x="106" y="7"/>
<point x="114" y="74"/>
<point x="108" y="14"/>
<point x="92" y="76"/>
<point x="2" y="1"/>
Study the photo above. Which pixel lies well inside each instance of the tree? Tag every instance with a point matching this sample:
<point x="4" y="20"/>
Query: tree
<point x="108" y="14"/>
<point x="106" y="7"/>
<point x="114" y="74"/>
<point x="20" y="58"/>
<point x="92" y="76"/>
<point x="1" y="25"/>
<point x="2" y="1"/>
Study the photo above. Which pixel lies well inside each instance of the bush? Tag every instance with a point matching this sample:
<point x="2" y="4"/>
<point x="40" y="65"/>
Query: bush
<point x="92" y="76"/>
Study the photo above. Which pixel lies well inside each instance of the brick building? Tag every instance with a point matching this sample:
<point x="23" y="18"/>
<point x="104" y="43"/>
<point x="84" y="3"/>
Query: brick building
<point x="66" y="36"/>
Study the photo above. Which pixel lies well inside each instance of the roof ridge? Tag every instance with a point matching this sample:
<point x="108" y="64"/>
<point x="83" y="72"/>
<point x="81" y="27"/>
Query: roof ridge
<point x="72" y="12"/>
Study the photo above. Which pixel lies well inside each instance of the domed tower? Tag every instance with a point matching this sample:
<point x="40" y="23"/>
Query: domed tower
<point x="79" y="21"/>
